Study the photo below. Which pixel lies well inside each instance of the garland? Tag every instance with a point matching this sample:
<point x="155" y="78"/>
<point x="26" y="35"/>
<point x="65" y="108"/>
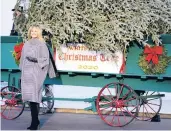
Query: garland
<point x="17" y="52"/>
<point x="154" y="60"/>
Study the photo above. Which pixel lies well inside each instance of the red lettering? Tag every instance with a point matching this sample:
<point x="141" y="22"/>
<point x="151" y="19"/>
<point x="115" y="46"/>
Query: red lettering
<point x="94" y="58"/>
<point x="76" y="57"/>
<point x="70" y="57"/>
<point x="90" y="58"/>
<point x="102" y="57"/>
<point x="60" y="57"/>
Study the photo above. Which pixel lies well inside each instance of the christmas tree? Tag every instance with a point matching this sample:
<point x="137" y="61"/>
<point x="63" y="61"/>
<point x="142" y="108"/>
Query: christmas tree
<point x="103" y="25"/>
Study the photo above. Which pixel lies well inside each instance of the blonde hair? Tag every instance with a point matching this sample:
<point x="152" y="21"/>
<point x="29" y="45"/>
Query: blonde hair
<point x="39" y="33"/>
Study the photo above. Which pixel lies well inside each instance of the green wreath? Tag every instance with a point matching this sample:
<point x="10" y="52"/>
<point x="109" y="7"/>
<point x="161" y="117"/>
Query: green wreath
<point x="154" y="69"/>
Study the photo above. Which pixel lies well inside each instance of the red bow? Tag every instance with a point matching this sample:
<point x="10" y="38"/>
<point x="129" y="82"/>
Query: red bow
<point x="153" y="53"/>
<point x="18" y="47"/>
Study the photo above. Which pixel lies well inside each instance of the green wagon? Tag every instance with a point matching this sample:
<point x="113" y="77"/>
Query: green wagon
<point x="122" y="97"/>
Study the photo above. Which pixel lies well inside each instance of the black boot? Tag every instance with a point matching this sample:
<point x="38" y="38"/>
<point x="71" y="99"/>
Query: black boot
<point x="34" y="107"/>
<point x="30" y="105"/>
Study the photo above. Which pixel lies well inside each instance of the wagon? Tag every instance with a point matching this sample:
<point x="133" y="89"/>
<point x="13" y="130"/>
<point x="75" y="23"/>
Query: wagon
<point x="122" y="97"/>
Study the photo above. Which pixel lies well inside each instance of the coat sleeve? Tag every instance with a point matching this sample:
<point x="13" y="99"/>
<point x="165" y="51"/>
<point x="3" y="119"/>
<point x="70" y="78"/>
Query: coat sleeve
<point x="51" y="70"/>
<point x="43" y="56"/>
<point x="21" y="58"/>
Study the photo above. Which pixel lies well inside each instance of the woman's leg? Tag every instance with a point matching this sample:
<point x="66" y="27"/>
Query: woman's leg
<point x="32" y="116"/>
<point x="34" y="107"/>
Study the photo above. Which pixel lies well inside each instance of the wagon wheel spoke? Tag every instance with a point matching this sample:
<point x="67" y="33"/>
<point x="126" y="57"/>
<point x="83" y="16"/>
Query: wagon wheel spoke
<point x="119" y="94"/>
<point x="43" y="108"/>
<point x="152" y="108"/>
<point x="104" y="104"/>
<point x="130" y="99"/>
<point x="128" y="112"/>
<point x="8" y="113"/>
<point x="147" y="113"/>
<point x="110" y="93"/>
<point x="106" y="97"/>
<point x="126" y="95"/>
<point x="12" y="113"/>
<point x="134" y="108"/>
<point x="153" y="104"/>
<point x="45" y="104"/>
<point x="105" y="108"/>
<point x="2" y="111"/>
<point x="153" y="99"/>
<point x="123" y="115"/>
<point x="119" y="124"/>
<point x="108" y="113"/>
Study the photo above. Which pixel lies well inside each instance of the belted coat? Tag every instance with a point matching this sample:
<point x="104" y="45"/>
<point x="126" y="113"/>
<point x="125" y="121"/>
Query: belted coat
<point x="33" y="74"/>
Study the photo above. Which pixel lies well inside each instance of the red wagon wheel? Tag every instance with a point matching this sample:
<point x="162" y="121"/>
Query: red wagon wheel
<point x="149" y="107"/>
<point x="11" y="103"/>
<point x="117" y="104"/>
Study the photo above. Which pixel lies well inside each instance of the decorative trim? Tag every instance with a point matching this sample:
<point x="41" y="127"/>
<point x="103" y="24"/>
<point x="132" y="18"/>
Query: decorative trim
<point x="11" y="39"/>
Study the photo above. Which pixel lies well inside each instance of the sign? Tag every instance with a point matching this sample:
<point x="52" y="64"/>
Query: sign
<point x="79" y="58"/>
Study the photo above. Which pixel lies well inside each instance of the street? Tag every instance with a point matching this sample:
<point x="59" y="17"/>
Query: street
<point x="69" y="121"/>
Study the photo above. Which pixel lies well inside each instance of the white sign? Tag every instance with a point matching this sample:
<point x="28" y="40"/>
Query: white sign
<point x="79" y="58"/>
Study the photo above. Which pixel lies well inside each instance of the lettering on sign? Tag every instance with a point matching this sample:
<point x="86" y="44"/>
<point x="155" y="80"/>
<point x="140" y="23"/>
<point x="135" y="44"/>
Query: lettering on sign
<point x="79" y="58"/>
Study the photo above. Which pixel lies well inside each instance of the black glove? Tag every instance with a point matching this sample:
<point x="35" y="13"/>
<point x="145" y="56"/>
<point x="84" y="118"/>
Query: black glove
<point x="31" y="59"/>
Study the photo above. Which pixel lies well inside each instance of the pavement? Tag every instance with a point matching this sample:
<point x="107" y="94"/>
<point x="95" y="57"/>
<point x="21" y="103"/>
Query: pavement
<point x="69" y="121"/>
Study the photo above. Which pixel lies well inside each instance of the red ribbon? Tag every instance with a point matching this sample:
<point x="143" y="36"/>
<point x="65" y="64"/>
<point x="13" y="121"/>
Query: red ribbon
<point x="18" y="48"/>
<point x="122" y="69"/>
<point x="152" y="53"/>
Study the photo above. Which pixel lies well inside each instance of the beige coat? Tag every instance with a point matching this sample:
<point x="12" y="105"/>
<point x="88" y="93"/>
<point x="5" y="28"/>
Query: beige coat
<point x="32" y="74"/>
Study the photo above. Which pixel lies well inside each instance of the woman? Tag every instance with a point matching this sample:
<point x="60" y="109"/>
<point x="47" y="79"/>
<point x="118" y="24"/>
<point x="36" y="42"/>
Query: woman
<point x="34" y="66"/>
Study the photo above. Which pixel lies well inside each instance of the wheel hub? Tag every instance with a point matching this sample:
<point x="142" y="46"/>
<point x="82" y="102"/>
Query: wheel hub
<point x="119" y="103"/>
<point x="11" y="102"/>
<point x="144" y="102"/>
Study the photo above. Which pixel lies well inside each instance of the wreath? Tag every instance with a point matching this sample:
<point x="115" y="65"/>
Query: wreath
<point x="17" y="52"/>
<point x="154" y="60"/>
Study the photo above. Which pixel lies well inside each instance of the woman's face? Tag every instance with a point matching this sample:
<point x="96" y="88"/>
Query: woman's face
<point x="34" y="33"/>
